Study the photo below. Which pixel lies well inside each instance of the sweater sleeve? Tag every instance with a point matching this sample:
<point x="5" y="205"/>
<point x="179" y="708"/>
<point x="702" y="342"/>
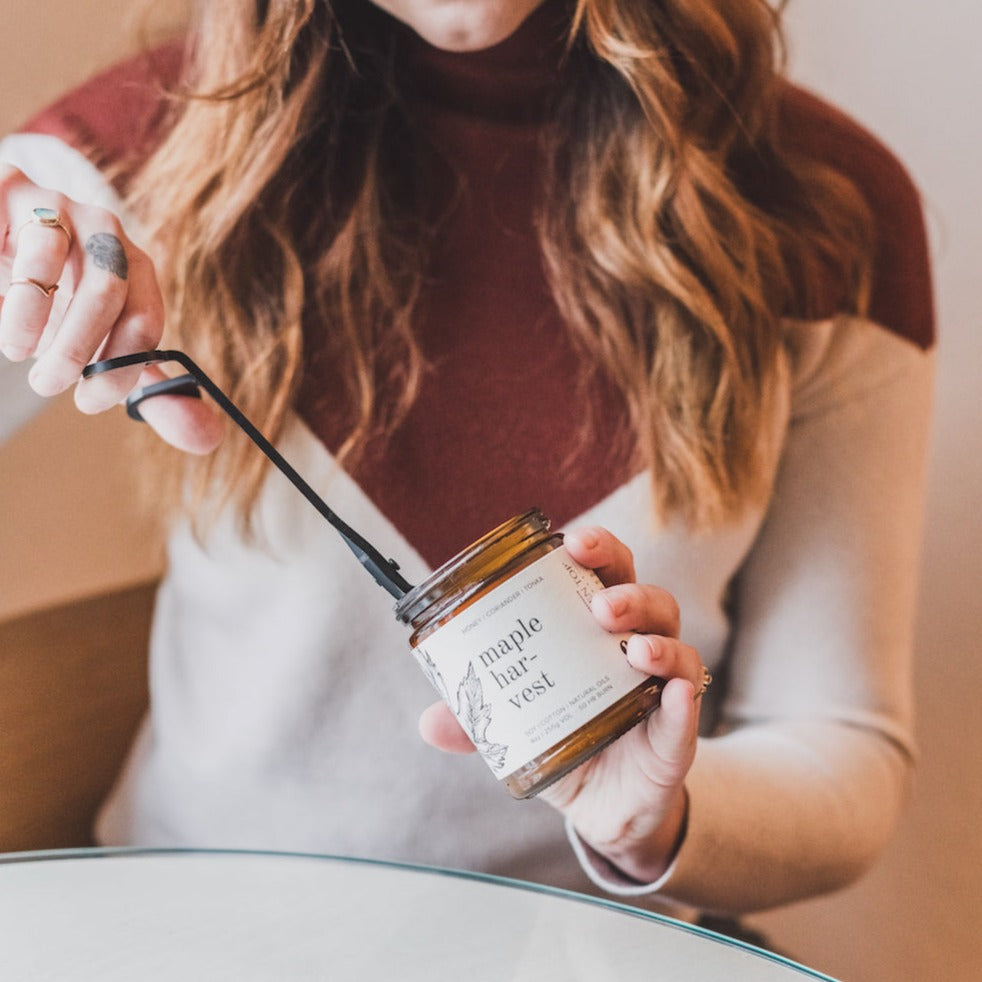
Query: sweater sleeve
<point x="801" y="787"/>
<point x="51" y="163"/>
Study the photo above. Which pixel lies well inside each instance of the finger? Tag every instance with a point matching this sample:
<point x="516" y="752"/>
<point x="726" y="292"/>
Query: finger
<point x="192" y="425"/>
<point x="637" y="607"/>
<point x="439" y="728"/>
<point x="105" y="304"/>
<point x="666" y="658"/>
<point x="38" y="264"/>
<point x="599" y="550"/>
<point x="138" y="327"/>
<point x="672" y="733"/>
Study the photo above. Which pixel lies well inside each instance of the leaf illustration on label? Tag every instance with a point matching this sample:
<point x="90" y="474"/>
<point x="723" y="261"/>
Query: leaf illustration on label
<point x="431" y="671"/>
<point x="474" y="715"/>
<point x="472" y="711"/>
<point x="494" y="754"/>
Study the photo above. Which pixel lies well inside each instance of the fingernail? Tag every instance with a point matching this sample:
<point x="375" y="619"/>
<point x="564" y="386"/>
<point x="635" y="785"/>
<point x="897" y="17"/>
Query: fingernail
<point x="616" y="604"/>
<point x="643" y="648"/>
<point x="46" y="384"/>
<point x="586" y="537"/>
<point x="87" y="400"/>
<point x="14" y="352"/>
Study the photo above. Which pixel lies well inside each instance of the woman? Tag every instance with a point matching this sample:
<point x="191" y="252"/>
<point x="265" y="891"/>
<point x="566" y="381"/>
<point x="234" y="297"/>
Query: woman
<point x="460" y="258"/>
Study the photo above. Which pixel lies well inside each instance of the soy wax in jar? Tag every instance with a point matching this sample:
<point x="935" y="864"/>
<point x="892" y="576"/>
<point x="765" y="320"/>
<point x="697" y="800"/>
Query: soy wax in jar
<point x="505" y="633"/>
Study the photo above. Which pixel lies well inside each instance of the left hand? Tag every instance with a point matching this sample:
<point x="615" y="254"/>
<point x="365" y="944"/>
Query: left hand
<point x="628" y="801"/>
<point x="75" y="287"/>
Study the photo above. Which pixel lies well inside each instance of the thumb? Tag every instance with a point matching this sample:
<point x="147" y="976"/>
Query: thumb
<point x="192" y="425"/>
<point x="439" y="727"/>
<point x="672" y="733"/>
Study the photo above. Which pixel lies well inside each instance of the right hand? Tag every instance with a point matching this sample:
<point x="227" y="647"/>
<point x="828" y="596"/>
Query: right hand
<point x="107" y="303"/>
<point x="628" y="802"/>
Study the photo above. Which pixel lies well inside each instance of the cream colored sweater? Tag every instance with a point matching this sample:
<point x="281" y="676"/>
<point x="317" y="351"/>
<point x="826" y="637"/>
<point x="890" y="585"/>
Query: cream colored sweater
<point x="284" y="699"/>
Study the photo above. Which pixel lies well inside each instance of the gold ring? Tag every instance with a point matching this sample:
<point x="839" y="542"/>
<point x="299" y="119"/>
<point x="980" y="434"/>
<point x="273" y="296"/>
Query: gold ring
<point x="707" y="680"/>
<point x="47" y="218"/>
<point x="48" y="291"/>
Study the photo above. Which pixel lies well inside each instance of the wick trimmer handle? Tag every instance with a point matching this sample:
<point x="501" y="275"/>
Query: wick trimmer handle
<point x="385" y="572"/>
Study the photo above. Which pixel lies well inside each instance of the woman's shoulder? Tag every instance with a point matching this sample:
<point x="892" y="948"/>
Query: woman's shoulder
<point x="902" y="295"/>
<point x="118" y="116"/>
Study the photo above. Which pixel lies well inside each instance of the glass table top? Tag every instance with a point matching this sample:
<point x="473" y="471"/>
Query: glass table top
<point x="169" y="914"/>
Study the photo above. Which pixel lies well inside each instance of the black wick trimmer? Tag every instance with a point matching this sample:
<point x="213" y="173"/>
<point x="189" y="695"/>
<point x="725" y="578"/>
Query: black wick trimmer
<point x="385" y="572"/>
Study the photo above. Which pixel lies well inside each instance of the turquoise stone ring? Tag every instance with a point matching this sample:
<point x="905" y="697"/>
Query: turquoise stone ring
<point x="50" y="218"/>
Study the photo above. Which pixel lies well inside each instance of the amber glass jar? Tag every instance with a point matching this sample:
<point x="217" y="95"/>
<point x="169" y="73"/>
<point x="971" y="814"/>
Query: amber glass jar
<point x="505" y="633"/>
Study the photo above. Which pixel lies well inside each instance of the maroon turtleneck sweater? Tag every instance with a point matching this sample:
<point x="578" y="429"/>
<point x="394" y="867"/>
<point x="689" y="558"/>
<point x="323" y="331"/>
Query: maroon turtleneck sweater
<point x="497" y="425"/>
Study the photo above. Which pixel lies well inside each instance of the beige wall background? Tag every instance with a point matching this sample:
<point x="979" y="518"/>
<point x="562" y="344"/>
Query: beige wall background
<point x="909" y="71"/>
<point x="67" y="524"/>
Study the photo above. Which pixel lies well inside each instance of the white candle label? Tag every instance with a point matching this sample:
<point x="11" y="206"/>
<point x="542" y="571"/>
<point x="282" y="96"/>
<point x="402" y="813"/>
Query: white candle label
<point x="528" y="664"/>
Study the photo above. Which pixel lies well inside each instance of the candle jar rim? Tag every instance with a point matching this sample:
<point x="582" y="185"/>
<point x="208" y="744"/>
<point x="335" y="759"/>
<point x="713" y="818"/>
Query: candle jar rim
<point x="453" y="582"/>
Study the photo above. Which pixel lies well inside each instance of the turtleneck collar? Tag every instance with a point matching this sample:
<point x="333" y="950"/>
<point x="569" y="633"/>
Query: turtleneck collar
<point x="509" y="81"/>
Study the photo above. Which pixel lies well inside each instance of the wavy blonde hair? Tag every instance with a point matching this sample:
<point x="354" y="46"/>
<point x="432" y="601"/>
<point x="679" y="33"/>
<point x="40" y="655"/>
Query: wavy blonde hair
<point x="676" y="230"/>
